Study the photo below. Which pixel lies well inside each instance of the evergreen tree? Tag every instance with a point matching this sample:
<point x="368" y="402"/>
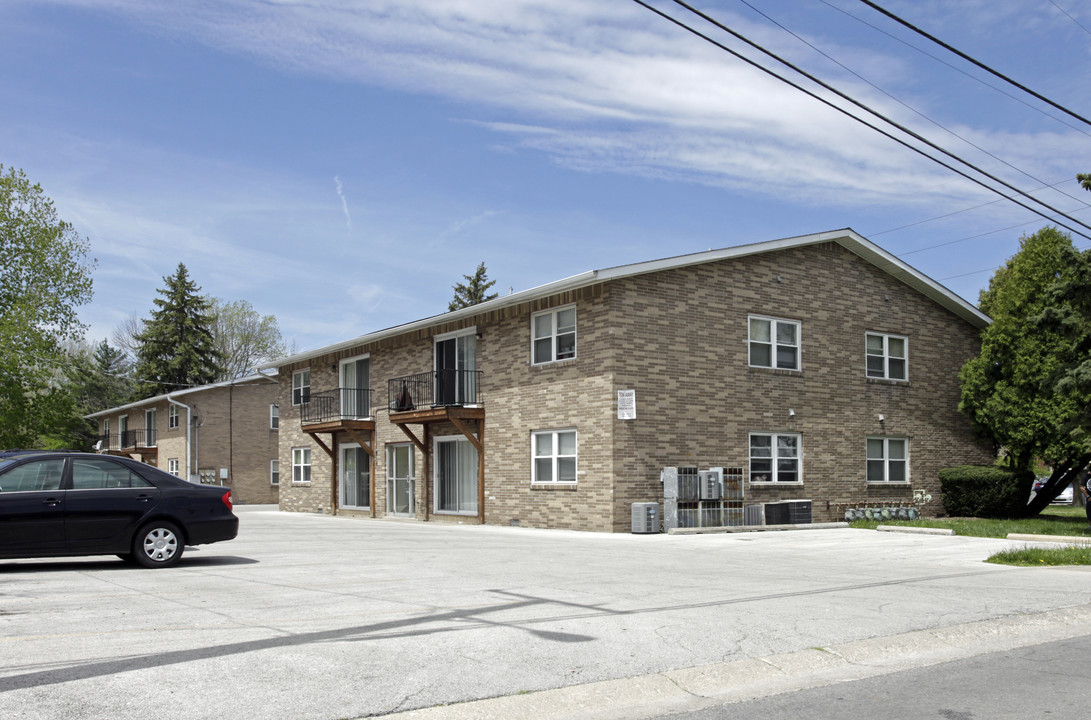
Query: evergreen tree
<point x="176" y="347"/>
<point x="473" y="291"/>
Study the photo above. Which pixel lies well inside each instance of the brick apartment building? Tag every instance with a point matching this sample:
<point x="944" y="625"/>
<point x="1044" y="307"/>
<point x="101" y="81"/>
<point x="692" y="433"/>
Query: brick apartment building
<point x="221" y="434"/>
<point x="821" y="366"/>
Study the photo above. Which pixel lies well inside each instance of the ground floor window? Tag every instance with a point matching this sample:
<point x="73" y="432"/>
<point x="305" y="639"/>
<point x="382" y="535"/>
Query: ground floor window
<point x="301" y="465"/>
<point x="355" y="486"/>
<point x="774" y="457"/>
<point x="274" y="472"/>
<point x="455" y="476"/>
<point x="887" y="459"/>
<point x="172" y="466"/>
<point x="554" y="456"/>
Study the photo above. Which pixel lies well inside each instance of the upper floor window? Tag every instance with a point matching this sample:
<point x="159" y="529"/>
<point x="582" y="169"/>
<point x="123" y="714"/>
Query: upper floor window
<point x="774" y="457"/>
<point x="301" y="387"/>
<point x="274" y="416"/>
<point x="553" y="335"/>
<point x="172" y="417"/>
<point x="554" y="456"/>
<point x="887" y="459"/>
<point x="774" y="343"/>
<point x="887" y="356"/>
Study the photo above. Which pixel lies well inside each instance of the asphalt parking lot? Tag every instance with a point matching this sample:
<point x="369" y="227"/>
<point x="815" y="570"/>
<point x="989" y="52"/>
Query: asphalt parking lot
<point x="308" y="616"/>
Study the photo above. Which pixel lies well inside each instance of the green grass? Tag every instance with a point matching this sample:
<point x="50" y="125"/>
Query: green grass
<point x="1039" y="557"/>
<point x="1054" y="520"/>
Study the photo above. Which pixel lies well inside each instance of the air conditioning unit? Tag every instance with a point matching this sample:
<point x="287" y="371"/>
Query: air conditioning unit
<point x="753" y="514"/>
<point x="688" y="484"/>
<point x="788" y="512"/>
<point x="645" y="518"/>
<point x="710" y="484"/>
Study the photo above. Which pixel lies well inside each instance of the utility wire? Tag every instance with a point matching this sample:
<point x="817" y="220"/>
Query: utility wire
<point x="978" y="63"/>
<point x="941" y="61"/>
<point x="860" y="105"/>
<point x="909" y="107"/>
<point x="1066" y="14"/>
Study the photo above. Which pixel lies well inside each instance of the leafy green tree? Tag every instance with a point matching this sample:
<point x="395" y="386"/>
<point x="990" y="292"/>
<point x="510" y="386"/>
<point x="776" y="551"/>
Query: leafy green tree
<point x="243" y="338"/>
<point x="472" y="292"/>
<point x="46" y="276"/>
<point x="176" y="348"/>
<point x="1084" y="180"/>
<point x="1007" y="389"/>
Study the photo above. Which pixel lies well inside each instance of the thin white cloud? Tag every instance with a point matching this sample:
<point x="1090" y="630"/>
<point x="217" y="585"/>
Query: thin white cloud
<point x="344" y="202"/>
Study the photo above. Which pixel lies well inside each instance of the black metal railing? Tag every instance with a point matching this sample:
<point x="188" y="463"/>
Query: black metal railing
<point x="127" y="439"/>
<point x="339" y="404"/>
<point x="440" y="388"/>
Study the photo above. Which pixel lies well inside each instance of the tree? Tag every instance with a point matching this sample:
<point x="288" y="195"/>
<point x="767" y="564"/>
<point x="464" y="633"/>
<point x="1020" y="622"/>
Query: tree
<point x="243" y="338"/>
<point x="1007" y="390"/>
<point x="176" y="348"/>
<point x="46" y="276"/>
<point x="473" y="291"/>
<point x="1085" y="180"/>
<point x="125" y="334"/>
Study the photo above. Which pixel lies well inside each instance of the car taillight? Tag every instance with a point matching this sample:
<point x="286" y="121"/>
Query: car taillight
<point x="227" y="500"/>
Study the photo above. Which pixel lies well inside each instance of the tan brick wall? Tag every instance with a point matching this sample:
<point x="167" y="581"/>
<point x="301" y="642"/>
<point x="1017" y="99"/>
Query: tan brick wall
<point x="698" y="401"/>
<point x="679" y="339"/>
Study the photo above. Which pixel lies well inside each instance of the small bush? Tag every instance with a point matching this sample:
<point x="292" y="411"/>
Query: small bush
<point x="985" y="491"/>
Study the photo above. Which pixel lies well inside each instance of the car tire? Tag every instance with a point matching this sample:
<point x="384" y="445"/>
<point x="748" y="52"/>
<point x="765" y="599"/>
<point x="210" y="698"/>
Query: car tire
<point x="158" y="544"/>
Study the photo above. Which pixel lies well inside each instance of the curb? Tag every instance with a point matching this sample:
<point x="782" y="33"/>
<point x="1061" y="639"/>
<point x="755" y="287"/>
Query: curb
<point x="689" y="689"/>
<point x="755" y="528"/>
<point x="1065" y="539"/>
<point x="915" y="530"/>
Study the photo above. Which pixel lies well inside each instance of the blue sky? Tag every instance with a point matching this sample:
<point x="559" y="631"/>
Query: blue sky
<point x="342" y="164"/>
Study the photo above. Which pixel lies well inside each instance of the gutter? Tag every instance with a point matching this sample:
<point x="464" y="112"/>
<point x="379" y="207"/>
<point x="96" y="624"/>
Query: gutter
<point x="189" y="429"/>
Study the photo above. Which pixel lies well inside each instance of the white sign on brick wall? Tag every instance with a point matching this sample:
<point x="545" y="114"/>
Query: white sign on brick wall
<point x="626" y="404"/>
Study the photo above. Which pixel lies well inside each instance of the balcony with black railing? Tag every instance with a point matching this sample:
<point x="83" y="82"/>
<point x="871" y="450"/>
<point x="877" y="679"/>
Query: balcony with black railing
<point x="127" y="440"/>
<point x="333" y="406"/>
<point x="437" y="389"/>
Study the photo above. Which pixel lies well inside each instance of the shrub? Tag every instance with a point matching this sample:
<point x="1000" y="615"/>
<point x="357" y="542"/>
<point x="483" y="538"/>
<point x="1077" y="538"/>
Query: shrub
<point x="985" y="491"/>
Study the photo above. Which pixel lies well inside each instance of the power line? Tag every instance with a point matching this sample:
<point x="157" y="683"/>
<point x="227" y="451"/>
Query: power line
<point x="941" y="61"/>
<point x="862" y="106"/>
<point x="908" y="106"/>
<point x="978" y="63"/>
<point x="1082" y="27"/>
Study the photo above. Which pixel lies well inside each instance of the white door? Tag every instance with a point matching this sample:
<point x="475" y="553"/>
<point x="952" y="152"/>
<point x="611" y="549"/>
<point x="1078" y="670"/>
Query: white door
<point x="355" y="381"/>
<point x="355" y="485"/>
<point x="455" y="475"/>
<point x="399" y="480"/>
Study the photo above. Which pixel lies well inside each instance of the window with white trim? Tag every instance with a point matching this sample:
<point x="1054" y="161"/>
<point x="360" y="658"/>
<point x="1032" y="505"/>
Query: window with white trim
<point x="274" y="472"/>
<point x="274" y="417"/>
<point x="887" y="459"/>
<point x="301" y="465"/>
<point x="553" y="335"/>
<point x="774" y="343"/>
<point x="301" y="387"/>
<point x="554" y="456"/>
<point x="172" y="417"/>
<point x="887" y="356"/>
<point x="775" y="457"/>
<point x="172" y="466"/>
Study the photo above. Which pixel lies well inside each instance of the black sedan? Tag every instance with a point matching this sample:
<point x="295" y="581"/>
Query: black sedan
<point x="65" y="503"/>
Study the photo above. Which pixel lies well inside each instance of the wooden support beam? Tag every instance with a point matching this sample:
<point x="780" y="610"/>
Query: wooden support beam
<point x="465" y="430"/>
<point x="480" y="470"/>
<point x="365" y="444"/>
<point x="416" y="441"/>
<point x="314" y="436"/>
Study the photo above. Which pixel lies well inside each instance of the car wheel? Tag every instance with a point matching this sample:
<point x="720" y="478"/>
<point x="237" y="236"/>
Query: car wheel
<point x="158" y="544"/>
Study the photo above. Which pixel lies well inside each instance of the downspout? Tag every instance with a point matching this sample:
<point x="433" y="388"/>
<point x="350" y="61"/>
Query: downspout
<point x="189" y="425"/>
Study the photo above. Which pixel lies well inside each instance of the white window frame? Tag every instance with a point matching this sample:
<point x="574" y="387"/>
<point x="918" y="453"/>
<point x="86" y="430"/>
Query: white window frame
<point x="886" y="337"/>
<point x="172" y="466"/>
<point x="553" y="334"/>
<point x="774" y="478"/>
<point x="274" y="472"/>
<point x="172" y="416"/>
<point x="773" y="343"/>
<point x="303" y="389"/>
<point x="274" y="416"/>
<point x="554" y="456"/>
<point x="150" y="425"/>
<point x="301" y="466"/>
<point x="886" y="460"/>
<point x="464" y="445"/>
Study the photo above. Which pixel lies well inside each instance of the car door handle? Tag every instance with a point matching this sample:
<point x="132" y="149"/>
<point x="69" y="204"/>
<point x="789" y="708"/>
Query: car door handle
<point x="143" y="498"/>
<point x="52" y="502"/>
